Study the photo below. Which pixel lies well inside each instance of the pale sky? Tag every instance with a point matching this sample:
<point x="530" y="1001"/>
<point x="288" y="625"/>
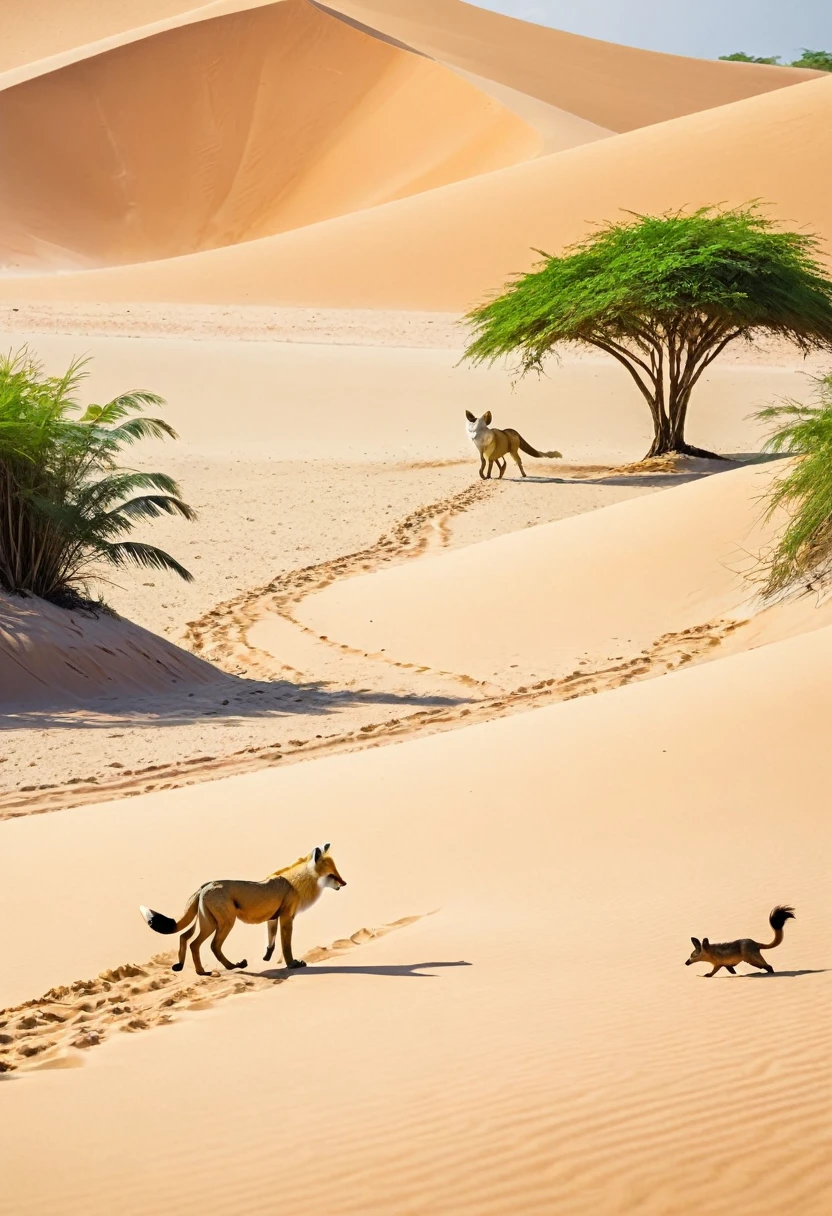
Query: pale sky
<point x="703" y="28"/>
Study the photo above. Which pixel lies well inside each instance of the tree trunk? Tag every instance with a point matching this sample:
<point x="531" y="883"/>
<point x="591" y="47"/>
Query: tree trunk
<point x="669" y="428"/>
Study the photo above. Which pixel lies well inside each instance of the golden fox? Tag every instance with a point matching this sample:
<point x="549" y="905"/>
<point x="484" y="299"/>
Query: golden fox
<point x="493" y="445"/>
<point x="744" y="950"/>
<point x="217" y="905"/>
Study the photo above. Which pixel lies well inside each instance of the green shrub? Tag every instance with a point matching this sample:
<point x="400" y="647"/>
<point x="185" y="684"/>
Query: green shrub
<point x="66" y="503"/>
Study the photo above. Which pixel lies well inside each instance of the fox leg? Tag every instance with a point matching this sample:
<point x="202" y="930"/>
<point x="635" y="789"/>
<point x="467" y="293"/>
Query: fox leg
<point x="221" y="934"/>
<point x="717" y="967"/>
<point x="490" y="467"/>
<point x="733" y="970"/>
<point x="518" y="462"/>
<point x="757" y="960"/>
<point x="501" y="465"/>
<point x="183" y="946"/>
<point x="207" y="926"/>
<point x="289" y="959"/>
<point x="272" y="929"/>
<point x="482" y="467"/>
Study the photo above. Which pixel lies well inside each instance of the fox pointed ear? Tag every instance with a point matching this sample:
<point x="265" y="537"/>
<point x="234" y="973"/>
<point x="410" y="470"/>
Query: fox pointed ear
<point x="326" y="848"/>
<point x="696" y="942"/>
<point x="470" y="416"/>
<point x="487" y="417"/>
<point x="705" y="943"/>
<point x="316" y="855"/>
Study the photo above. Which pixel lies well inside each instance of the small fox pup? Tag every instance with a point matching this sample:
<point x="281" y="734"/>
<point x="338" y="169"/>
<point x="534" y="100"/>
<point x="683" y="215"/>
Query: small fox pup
<point x="745" y="950"/>
<point x="493" y="446"/>
<point x="217" y="905"/>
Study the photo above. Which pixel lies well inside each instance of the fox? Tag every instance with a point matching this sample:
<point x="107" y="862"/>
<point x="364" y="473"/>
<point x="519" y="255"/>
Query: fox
<point x="215" y="906"/>
<point x="744" y="950"/>
<point x="493" y="446"/>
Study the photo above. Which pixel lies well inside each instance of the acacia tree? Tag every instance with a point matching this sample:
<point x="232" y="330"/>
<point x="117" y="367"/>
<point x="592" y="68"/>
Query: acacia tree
<point x="664" y="295"/>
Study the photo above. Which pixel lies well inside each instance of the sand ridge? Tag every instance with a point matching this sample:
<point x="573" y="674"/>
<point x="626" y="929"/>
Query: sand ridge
<point x="358" y="122"/>
<point x="446" y="249"/>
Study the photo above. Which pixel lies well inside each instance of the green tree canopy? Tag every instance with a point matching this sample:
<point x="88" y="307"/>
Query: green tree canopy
<point x="741" y="57"/>
<point x="818" y="61"/>
<point x="664" y="295"/>
<point x="66" y="503"/>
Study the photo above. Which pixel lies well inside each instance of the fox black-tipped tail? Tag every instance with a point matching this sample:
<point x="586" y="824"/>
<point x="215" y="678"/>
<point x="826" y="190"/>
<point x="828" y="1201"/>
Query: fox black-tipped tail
<point x="779" y="915"/>
<point x="158" y="922"/>
<point x="164" y="924"/>
<point x="777" y="919"/>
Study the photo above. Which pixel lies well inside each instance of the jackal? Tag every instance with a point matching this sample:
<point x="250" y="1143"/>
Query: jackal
<point x="217" y="905"/>
<point x="744" y="950"/>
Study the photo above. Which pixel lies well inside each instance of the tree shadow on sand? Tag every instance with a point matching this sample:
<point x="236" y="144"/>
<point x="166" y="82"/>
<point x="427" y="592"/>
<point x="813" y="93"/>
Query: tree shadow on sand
<point x="650" y="478"/>
<point x="232" y="697"/>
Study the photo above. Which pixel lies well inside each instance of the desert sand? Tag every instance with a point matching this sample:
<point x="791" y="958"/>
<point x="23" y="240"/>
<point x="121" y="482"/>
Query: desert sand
<point x="548" y="724"/>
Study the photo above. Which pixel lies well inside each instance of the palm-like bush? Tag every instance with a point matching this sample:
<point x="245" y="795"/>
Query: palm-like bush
<point x="66" y="504"/>
<point x="803" y="552"/>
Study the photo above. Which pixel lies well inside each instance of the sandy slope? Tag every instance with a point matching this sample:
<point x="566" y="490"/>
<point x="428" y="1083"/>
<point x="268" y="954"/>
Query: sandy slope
<point x="446" y="248"/>
<point x="535" y="1045"/>
<point x="586" y="589"/>
<point x="52" y="657"/>
<point x="40" y="34"/>
<point x="617" y="87"/>
<point x="284" y="117"/>
<point x="99" y="174"/>
<point x="309" y="463"/>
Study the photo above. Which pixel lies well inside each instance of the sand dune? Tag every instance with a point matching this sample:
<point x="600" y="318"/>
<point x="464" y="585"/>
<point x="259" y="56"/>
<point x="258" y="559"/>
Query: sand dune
<point x="99" y="174"/>
<point x="572" y="1063"/>
<point x="40" y="31"/>
<point x="284" y="116"/>
<point x="448" y="247"/>
<point x="581" y="590"/>
<point x="50" y="657"/>
<point x="495" y="1017"/>
<point x="617" y="87"/>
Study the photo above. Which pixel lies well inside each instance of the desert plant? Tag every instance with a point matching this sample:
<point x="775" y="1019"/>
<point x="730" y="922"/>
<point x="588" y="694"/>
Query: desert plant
<point x="818" y="61"/>
<point x="741" y="57"/>
<point x="803" y="551"/>
<point x="66" y="503"/>
<point x="664" y="295"/>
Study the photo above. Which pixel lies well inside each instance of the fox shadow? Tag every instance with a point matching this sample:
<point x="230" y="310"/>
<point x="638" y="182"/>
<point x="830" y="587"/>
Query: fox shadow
<point x="774" y="975"/>
<point x="395" y="970"/>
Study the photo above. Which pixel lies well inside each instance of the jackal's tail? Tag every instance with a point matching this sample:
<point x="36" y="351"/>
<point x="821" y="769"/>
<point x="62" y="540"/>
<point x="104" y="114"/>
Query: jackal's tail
<point x="777" y="919"/>
<point x="165" y="924"/>
<point x="530" y="451"/>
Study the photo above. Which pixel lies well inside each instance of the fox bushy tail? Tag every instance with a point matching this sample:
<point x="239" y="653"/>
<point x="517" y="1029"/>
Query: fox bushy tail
<point x="160" y="923"/>
<point x="530" y="451"/>
<point x="777" y="919"/>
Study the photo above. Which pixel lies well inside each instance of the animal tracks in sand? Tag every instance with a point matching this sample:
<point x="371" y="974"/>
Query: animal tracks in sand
<point x="54" y="1030"/>
<point x="668" y="653"/>
<point x="221" y="635"/>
